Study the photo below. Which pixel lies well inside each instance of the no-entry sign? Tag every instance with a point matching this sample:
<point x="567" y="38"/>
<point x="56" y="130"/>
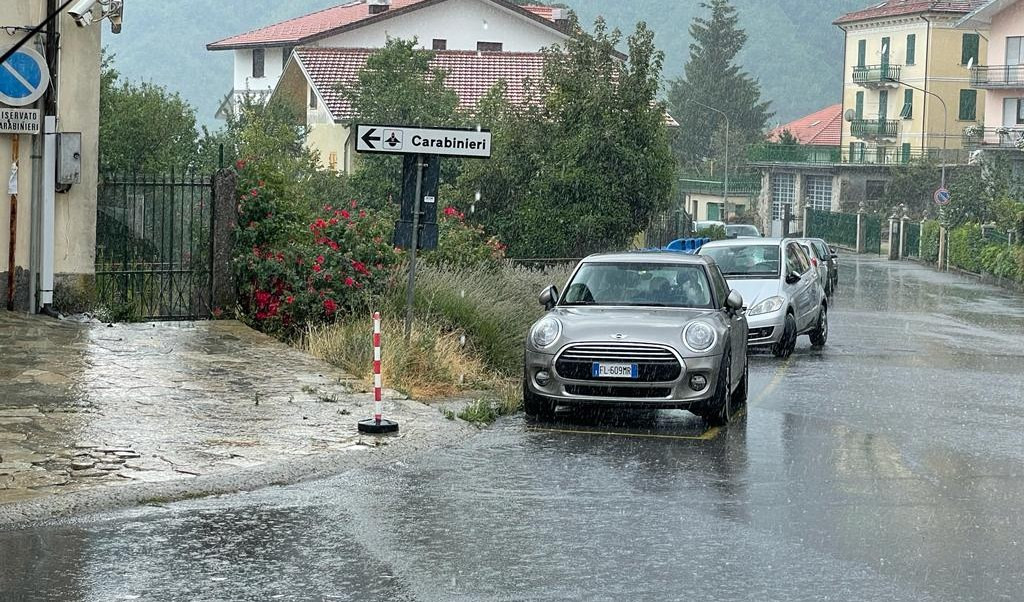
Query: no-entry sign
<point x="400" y="140"/>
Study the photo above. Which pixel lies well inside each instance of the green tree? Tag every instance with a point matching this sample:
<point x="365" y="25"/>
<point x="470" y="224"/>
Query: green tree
<point x="585" y="165"/>
<point x="913" y="185"/>
<point x="398" y="86"/>
<point x="712" y="77"/>
<point x="143" y="127"/>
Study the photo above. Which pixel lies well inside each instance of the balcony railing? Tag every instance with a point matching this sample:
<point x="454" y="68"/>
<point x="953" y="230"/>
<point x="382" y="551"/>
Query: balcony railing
<point x="827" y="156"/>
<point x="876" y="74"/>
<point x="874" y="128"/>
<point x="739" y="185"/>
<point x="997" y="76"/>
<point x="1009" y="137"/>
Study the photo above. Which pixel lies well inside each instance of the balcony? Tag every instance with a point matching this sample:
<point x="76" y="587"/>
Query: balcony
<point x="997" y="77"/>
<point x="829" y="156"/>
<point x="997" y="138"/>
<point x="739" y="185"/>
<point x="869" y="129"/>
<point x="876" y="76"/>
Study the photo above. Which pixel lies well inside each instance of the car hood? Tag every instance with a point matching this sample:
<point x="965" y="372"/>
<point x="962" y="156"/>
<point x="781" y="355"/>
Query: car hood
<point x="755" y="290"/>
<point x="636" y="324"/>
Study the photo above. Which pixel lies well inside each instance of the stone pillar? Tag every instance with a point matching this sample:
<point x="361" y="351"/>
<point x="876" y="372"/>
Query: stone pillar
<point x="797" y="214"/>
<point x="861" y="235"/>
<point x="903" y="236"/>
<point x="942" y="248"/>
<point x="225" y="292"/>
<point x="893" y="236"/>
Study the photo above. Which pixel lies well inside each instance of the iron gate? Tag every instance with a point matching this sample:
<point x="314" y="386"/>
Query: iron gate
<point x="911" y="239"/>
<point x="154" y="246"/>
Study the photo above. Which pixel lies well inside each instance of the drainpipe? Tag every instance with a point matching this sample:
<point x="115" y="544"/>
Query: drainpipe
<point x="924" y="105"/>
<point x="47" y="176"/>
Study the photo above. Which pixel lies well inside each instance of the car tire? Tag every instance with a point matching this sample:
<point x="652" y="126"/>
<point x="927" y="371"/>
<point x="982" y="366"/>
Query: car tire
<point x="720" y="409"/>
<point x="739" y="396"/>
<point x="784" y="348"/>
<point x="536" y="406"/>
<point x="820" y="333"/>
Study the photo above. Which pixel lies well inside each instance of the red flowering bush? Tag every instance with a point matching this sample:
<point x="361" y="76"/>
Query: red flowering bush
<point x="342" y="260"/>
<point x="462" y="244"/>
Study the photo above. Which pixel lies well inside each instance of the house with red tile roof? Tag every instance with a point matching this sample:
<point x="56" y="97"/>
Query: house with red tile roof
<point x="906" y="94"/>
<point x="260" y="55"/>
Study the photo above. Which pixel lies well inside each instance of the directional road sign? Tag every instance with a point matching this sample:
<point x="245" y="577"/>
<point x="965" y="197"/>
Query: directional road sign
<point x="942" y="196"/>
<point x="400" y="140"/>
<point x="24" y="78"/>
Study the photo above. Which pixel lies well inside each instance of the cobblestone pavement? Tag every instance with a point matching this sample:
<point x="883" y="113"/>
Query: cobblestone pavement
<point x="85" y="406"/>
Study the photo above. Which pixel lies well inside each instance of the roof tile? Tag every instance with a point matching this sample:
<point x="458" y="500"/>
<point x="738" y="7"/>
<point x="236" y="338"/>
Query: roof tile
<point x="894" y="8"/>
<point x="821" y="128"/>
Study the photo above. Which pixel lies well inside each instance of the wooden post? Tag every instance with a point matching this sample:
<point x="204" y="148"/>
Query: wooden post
<point x="11" y="265"/>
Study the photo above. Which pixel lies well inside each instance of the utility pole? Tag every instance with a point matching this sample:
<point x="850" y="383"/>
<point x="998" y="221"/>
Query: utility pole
<point x="725" y="189"/>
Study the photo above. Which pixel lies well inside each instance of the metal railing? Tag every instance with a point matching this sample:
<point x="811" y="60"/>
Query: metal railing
<point x="1011" y="137"/>
<point x="997" y="76"/>
<point x="874" y="128"/>
<point x="833" y="155"/>
<point x="740" y="184"/>
<point x="876" y="74"/>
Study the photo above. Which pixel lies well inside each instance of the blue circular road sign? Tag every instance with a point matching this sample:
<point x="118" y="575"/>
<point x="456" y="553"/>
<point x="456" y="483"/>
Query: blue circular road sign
<point x="942" y="196"/>
<point x="24" y="78"/>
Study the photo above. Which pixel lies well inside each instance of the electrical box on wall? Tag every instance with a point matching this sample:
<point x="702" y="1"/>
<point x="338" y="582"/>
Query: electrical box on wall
<point x="69" y="159"/>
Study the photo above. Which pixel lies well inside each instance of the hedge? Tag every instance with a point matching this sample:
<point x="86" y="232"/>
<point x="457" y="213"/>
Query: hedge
<point x="969" y="251"/>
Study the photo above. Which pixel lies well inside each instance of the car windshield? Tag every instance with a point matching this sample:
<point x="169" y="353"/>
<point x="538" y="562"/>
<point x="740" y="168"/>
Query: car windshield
<point x="639" y="284"/>
<point x="757" y="261"/>
<point x="741" y="230"/>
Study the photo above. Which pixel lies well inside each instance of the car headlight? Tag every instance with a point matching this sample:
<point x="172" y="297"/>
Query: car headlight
<point x="767" y="306"/>
<point x="545" y="332"/>
<point x="699" y="336"/>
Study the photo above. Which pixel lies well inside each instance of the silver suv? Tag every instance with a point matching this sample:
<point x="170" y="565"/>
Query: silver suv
<point x="785" y="293"/>
<point x="653" y="330"/>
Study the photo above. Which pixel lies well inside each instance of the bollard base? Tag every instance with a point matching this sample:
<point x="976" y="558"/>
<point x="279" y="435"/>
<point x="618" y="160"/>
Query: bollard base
<point x="376" y="428"/>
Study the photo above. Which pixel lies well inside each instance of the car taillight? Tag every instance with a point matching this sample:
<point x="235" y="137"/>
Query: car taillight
<point x="814" y="262"/>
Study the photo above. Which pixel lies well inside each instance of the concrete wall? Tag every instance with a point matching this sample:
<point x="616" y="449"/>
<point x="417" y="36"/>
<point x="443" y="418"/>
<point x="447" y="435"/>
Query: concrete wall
<point x="936" y="68"/>
<point x="78" y="111"/>
<point x="697" y="205"/>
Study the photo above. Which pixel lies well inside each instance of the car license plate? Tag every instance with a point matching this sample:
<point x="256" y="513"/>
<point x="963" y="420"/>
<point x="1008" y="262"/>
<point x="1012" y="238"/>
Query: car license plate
<point x="614" y="370"/>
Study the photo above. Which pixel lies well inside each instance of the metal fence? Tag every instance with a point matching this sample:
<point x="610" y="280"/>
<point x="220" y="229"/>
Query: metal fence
<point x="911" y="239"/>
<point x="153" y="246"/>
<point x="872" y="226"/>
<point x="836" y="228"/>
<point x="666" y="227"/>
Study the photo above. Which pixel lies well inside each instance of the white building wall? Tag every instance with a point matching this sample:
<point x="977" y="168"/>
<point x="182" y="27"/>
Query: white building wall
<point x="272" y="69"/>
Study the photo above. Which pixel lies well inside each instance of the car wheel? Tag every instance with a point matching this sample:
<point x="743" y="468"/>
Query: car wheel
<point x="784" y="348"/>
<point x="536" y="405"/>
<point x="739" y="396"/>
<point x="820" y="334"/>
<point x="720" y="409"/>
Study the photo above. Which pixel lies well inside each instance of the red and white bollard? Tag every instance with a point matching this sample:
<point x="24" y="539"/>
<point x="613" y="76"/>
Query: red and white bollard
<point x="377" y="424"/>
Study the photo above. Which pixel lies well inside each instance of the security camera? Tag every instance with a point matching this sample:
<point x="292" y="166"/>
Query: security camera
<point x="81" y="12"/>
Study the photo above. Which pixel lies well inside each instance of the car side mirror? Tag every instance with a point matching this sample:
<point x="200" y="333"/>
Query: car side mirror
<point x="792" y="278"/>
<point x="548" y="297"/>
<point x="734" y="301"/>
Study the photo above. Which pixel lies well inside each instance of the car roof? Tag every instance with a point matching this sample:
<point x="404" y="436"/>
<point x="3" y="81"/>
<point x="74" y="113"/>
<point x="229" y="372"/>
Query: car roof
<point x="649" y="257"/>
<point x="748" y="242"/>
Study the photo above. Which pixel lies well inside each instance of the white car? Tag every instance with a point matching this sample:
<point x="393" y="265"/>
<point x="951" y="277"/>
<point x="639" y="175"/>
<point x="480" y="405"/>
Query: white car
<point x="784" y="293"/>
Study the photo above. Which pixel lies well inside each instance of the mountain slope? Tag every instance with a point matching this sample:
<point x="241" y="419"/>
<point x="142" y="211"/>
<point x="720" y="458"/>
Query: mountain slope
<point x="792" y="44"/>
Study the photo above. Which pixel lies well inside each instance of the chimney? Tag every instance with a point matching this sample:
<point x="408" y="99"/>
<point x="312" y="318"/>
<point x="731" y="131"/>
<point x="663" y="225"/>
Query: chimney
<point x="561" y="17"/>
<point x="378" y="6"/>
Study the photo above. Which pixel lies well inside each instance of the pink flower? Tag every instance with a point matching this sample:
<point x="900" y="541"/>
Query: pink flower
<point x="254" y="192"/>
<point x="319" y="258"/>
<point x="240" y="164"/>
<point x="349" y="281"/>
<point x="354" y="204"/>
<point x="316" y="267"/>
<point x="330" y="306"/>
<point x="346" y="214"/>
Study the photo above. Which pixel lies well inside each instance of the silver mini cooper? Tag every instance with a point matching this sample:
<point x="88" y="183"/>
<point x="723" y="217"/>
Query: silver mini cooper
<point x="650" y="330"/>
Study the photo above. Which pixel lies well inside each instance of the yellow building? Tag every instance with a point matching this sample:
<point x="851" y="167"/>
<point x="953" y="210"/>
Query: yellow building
<point x="904" y="59"/>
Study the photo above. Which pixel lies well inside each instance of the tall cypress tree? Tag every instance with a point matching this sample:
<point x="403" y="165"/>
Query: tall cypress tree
<point x="712" y="77"/>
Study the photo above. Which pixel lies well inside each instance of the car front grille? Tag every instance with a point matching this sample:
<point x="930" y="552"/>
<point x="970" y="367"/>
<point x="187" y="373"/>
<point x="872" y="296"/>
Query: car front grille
<point x="624" y="392"/>
<point x="760" y="333"/>
<point x="654" y="363"/>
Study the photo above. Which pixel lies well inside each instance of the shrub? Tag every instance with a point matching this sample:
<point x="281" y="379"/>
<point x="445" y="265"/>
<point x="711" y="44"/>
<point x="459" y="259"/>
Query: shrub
<point x="712" y="232"/>
<point x="340" y="262"/>
<point x="965" y="245"/>
<point x="930" y="241"/>
<point x="462" y="244"/>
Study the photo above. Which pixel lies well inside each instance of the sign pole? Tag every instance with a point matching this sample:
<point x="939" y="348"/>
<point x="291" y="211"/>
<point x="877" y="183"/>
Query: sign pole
<point x="13" y="189"/>
<point x="410" y="294"/>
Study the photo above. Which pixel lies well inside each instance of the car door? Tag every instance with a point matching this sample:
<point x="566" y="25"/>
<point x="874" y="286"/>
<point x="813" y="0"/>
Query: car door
<point x="801" y="291"/>
<point x="737" y="324"/>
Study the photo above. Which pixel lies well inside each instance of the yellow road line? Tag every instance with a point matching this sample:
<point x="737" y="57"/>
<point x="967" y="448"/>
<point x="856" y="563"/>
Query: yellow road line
<point x="707" y="435"/>
<point x="774" y="382"/>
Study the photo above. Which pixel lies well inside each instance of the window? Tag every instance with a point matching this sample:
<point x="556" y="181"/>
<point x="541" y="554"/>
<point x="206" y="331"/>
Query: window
<point x="857" y="150"/>
<point x="862" y="52"/>
<point x="911" y="48"/>
<point x="860" y="105"/>
<point x="905" y="152"/>
<point x="883" y="105"/>
<point x="969" y="50"/>
<point x="908" y="105"/>
<point x="488" y="46"/>
<point x="440" y="44"/>
<point x="796" y="262"/>
<point x="1014" y="50"/>
<point x="783" y="191"/>
<point x="640" y="284"/>
<point x="312" y="97"/>
<point x="819" y="192"/>
<point x="259" y="58"/>
<point x="1013" y="112"/>
<point x="968" y="105"/>
<point x="286" y="52"/>
<point x="874" y="190"/>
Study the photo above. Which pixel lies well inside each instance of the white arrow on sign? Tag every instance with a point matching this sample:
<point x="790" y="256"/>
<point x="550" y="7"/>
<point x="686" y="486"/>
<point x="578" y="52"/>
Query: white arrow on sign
<point x="403" y="140"/>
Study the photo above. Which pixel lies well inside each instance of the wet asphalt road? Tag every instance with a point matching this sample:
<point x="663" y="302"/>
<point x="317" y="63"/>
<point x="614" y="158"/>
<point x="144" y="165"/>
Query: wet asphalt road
<point x="887" y="466"/>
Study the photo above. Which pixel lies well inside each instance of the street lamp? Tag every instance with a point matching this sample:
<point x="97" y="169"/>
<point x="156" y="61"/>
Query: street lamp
<point x="725" y="190"/>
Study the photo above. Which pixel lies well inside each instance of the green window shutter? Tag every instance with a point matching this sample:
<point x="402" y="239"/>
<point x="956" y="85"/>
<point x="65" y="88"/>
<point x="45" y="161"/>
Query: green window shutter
<point x="860" y="105"/>
<point x="908" y="105"/>
<point x="862" y="52"/>
<point x="969" y="51"/>
<point x="911" y="48"/>
<point x="883" y="105"/>
<point x="905" y="158"/>
<point x="968" y="105"/>
<point x="886" y="50"/>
